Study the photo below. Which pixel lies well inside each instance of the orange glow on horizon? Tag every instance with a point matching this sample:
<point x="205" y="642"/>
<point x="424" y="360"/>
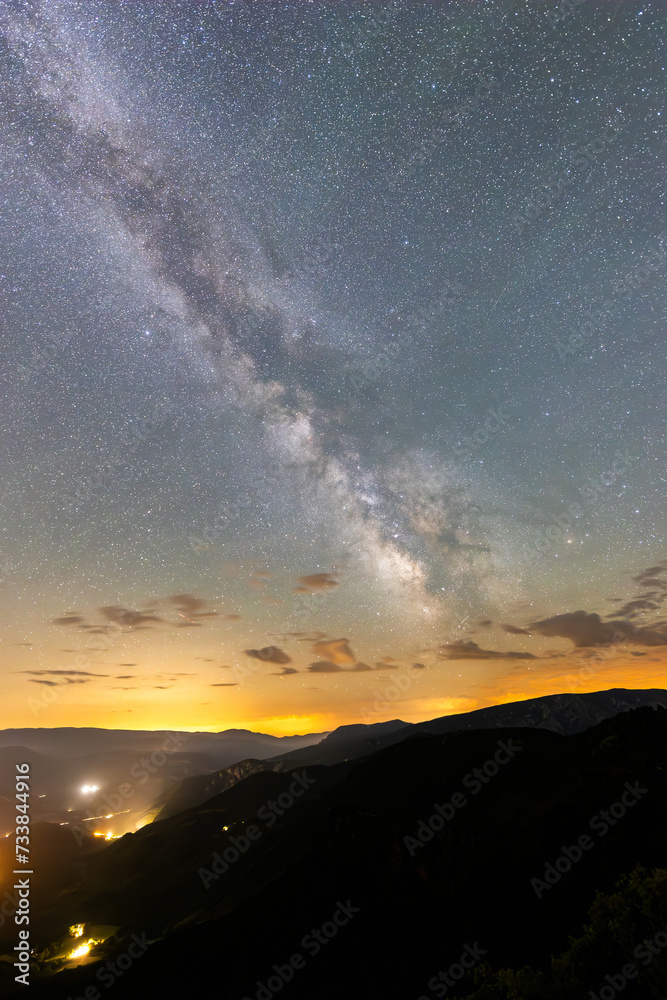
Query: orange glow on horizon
<point x="279" y="707"/>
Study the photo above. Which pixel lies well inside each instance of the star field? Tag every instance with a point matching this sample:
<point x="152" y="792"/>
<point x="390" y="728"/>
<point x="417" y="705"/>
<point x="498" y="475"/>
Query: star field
<point x="366" y="295"/>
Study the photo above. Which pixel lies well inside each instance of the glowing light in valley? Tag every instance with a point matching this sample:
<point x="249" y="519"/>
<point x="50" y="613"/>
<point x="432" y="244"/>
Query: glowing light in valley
<point x="81" y="950"/>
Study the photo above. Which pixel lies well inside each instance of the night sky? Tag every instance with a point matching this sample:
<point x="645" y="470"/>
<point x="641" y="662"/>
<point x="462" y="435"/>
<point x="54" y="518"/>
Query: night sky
<point x="332" y="343"/>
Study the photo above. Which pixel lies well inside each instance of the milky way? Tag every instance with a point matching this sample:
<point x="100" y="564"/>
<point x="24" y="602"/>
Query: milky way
<point x="365" y="295"/>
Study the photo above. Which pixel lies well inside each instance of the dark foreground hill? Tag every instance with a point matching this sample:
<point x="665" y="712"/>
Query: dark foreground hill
<point x="564" y="713"/>
<point x="404" y="873"/>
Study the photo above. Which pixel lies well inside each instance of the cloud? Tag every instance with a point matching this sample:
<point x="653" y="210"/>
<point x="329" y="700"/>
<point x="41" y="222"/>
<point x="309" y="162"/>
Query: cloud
<point x="335" y="650"/>
<point x="469" y="650"/>
<point x="314" y="582"/>
<point x="514" y="630"/>
<point x="649" y="577"/>
<point x="187" y="602"/>
<point x="585" y="629"/>
<point x="383" y="665"/>
<point x="270" y="654"/>
<point x="640" y="604"/>
<point x="61" y="673"/>
<point x="64" y="681"/>
<point x="285" y="671"/>
<point x="68" y="620"/>
<point x="232" y="618"/>
<point x="229" y="684"/>
<point x="123" y="616"/>
<point x="328" y="667"/>
<point x="125" y="677"/>
<point x="325" y="667"/>
<point x="190" y="607"/>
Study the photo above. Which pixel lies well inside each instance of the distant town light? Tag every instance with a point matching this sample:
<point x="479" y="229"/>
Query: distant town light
<point x="83" y="949"/>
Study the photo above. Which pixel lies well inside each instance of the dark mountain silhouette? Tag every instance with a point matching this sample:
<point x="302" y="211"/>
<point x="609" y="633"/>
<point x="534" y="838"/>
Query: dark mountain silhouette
<point x="226" y="747"/>
<point x="561" y="713"/>
<point x="439" y="841"/>
<point x="193" y="791"/>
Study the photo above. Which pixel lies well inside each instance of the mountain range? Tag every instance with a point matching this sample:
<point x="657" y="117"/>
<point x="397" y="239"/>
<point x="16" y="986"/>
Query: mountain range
<point x="534" y="850"/>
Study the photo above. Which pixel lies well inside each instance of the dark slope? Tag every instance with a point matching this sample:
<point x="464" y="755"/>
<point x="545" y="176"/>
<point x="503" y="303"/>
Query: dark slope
<point x="345" y="839"/>
<point x="562" y="713"/>
<point x="200" y="787"/>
